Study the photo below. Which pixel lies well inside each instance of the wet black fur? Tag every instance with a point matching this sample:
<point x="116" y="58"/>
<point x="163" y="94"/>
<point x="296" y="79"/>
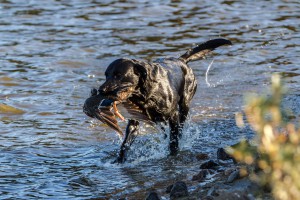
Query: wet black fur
<point x="162" y="89"/>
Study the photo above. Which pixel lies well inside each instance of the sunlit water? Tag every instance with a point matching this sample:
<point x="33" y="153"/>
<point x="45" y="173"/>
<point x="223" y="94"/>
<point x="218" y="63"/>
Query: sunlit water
<point x="53" y="52"/>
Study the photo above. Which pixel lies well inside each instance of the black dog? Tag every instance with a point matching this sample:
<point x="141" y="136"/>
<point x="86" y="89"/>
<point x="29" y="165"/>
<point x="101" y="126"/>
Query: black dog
<point x="161" y="90"/>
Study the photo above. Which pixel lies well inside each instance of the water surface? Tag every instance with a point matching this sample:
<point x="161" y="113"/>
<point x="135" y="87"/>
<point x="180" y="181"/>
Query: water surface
<point x="53" y="52"/>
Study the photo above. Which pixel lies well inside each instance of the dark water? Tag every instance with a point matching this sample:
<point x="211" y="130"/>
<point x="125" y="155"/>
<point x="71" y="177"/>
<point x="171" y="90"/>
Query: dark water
<point x="53" y="52"/>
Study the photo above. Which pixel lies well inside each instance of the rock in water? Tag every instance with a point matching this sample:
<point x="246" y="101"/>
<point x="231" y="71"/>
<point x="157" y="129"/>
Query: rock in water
<point x="169" y="188"/>
<point x="201" y="175"/>
<point x="233" y="176"/>
<point x="222" y="154"/>
<point x="202" y="156"/>
<point x="152" y="196"/>
<point x="82" y="181"/>
<point x="179" y="189"/>
<point x="209" y="165"/>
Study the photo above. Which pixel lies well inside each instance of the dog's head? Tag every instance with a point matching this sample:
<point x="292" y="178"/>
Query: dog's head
<point x="123" y="77"/>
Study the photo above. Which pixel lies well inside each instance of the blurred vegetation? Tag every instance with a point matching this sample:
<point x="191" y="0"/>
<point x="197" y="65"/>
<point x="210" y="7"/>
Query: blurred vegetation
<point x="276" y="149"/>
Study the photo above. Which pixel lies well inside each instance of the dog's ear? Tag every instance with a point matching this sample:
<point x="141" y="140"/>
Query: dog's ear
<point x="140" y="68"/>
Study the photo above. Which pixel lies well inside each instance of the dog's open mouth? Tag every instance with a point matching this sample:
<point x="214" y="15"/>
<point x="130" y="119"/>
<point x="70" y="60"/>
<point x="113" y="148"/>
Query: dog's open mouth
<point x="120" y="94"/>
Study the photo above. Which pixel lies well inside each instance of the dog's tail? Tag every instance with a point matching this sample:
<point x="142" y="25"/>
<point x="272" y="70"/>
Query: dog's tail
<point x="201" y="50"/>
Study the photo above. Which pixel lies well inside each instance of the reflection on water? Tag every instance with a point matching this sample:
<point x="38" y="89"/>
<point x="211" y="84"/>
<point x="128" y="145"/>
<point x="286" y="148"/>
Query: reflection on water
<point x="53" y="52"/>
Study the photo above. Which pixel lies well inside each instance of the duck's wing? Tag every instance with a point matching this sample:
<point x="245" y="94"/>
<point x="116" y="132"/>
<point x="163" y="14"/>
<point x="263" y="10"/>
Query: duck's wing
<point x="106" y="116"/>
<point x="131" y="111"/>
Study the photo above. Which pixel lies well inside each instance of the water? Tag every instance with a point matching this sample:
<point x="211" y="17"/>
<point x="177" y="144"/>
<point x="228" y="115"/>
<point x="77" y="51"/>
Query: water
<point x="53" y="52"/>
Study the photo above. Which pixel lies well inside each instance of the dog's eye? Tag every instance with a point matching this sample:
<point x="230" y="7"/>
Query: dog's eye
<point x="117" y="75"/>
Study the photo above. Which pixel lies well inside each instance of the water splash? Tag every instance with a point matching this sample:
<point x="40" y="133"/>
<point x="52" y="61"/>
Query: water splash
<point x="152" y="146"/>
<point x="206" y="74"/>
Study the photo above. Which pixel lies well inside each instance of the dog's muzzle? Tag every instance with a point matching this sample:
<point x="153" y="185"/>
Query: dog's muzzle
<point x="119" y="94"/>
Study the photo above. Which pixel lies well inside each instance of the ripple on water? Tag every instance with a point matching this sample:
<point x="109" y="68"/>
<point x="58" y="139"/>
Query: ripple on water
<point x="53" y="52"/>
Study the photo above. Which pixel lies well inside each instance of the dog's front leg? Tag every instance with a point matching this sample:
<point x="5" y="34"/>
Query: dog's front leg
<point x="174" y="133"/>
<point x="132" y="131"/>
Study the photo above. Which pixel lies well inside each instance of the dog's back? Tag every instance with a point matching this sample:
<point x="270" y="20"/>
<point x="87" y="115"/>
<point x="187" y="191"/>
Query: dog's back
<point x="181" y="77"/>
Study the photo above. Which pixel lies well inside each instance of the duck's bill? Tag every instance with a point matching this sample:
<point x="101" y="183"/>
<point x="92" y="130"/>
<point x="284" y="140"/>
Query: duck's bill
<point x="108" y="118"/>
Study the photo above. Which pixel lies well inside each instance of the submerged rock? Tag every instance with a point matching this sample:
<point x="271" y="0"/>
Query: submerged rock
<point x="209" y="165"/>
<point x="228" y="171"/>
<point x="208" y="198"/>
<point x="169" y="188"/>
<point x="82" y="181"/>
<point x="201" y="175"/>
<point x="179" y="189"/>
<point x="223" y="155"/>
<point x="233" y="176"/>
<point x="212" y="192"/>
<point x="202" y="156"/>
<point x="242" y="189"/>
<point x="234" y="195"/>
<point x="152" y="196"/>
